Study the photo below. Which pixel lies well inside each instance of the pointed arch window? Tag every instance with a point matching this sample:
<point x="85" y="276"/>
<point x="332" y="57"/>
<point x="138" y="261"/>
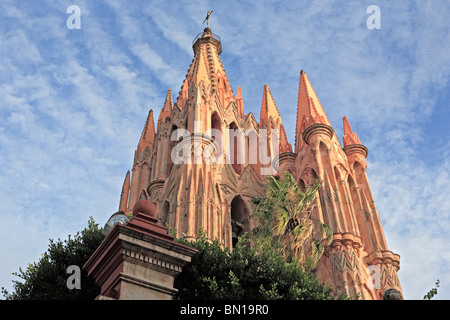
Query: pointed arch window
<point x="235" y="148"/>
<point x="169" y="153"/>
<point x="239" y="219"/>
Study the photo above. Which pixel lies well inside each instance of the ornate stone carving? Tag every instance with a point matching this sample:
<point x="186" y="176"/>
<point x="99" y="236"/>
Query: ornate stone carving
<point x="341" y="173"/>
<point x="154" y="190"/>
<point x="346" y="264"/>
<point x="388" y="264"/>
<point x="308" y="176"/>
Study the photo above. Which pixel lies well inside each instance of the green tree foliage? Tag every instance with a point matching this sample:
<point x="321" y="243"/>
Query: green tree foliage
<point x="279" y="262"/>
<point x="246" y="273"/>
<point x="432" y="292"/>
<point x="47" y="278"/>
<point x="283" y="218"/>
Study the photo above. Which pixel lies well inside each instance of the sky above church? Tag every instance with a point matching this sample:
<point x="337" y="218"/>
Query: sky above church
<point x="73" y="103"/>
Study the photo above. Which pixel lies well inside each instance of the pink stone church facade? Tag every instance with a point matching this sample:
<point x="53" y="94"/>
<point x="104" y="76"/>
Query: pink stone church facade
<point x="215" y="197"/>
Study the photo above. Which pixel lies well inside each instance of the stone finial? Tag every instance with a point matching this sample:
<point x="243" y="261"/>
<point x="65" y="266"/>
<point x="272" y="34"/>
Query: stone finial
<point x="145" y="207"/>
<point x="148" y="133"/>
<point x="349" y="136"/>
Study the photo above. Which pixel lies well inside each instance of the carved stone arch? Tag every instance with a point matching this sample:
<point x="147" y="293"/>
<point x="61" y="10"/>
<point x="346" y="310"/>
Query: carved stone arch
<point x="250" y="122"/>
<point x="309" y="176"/>
<point x="357" y="166"/>
<point x="303" y="124"/>
<point x="186" y="121"/>
<point x="322" y="147"/>
<point x="143" y="195"/>
<point x="340" y="172"/>
<point x="216" y="104"/>
<point x="217" y="135"/>
<point x="222" y="88"/>
<point x="171" y="143"/>
<point x="234" y="149"/>
<point x="216" y="121"/>
<point x="359" y="171"/>
<point x="176" y="118"/>
<point x="240" y="218"/>
<point x="232" y="104"/>
<point x="204" y="103"/>
<point x="220" y="78"/>
<point x="232" y="113"/>
<point x="273" y="123"/>
<point x="151" y="162"/>
<point x="146" y="156"/>
<point x="301" y="184"/>
<point x="352" y="183"/>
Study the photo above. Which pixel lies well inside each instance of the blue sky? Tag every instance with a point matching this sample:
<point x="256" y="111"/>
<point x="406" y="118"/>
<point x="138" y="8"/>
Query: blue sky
<point x="74" y="102"/>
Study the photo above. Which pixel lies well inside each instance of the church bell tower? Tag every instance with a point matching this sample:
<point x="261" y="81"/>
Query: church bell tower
<point x="213" y="197"/>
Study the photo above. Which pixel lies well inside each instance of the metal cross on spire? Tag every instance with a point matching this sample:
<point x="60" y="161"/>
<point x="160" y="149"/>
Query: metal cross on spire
<point x="208" y="15"/>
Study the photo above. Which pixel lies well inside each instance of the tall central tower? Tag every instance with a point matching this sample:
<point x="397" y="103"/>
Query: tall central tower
<point x="214" y="197"/>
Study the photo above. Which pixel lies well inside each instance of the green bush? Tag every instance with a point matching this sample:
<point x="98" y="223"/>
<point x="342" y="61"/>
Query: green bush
<point x="47" y="278"/>
<point x="246" y="273"/>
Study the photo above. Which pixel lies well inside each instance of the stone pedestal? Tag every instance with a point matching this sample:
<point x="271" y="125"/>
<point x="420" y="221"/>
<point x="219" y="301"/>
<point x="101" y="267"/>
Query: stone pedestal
<point x="138" y="260"/>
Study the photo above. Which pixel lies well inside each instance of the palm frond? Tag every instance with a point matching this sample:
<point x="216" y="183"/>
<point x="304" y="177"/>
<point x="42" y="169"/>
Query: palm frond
<point x="283" y="218"/>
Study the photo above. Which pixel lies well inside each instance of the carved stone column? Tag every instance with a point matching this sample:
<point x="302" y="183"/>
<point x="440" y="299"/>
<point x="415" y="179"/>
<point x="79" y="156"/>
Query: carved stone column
<point x="386" y="265"/>
<point x="347" y="266"/>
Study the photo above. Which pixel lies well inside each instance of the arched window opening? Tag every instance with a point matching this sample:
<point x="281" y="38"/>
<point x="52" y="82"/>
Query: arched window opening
<point x="239" y="219"/>
<point x="217" y="134"/>
<point x="169" y="153"/>
<point x="215" y="122"/>
<point x="301" y="185"/>
<point x="323" y="149"/>
<point x="234" y="145"/>
<point x="165" y="213"/>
